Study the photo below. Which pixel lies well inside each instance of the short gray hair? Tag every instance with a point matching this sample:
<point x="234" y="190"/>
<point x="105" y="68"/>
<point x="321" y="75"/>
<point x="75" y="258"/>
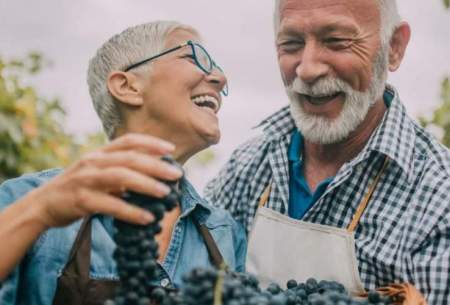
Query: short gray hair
<point x="132" y="45"/>
<point x="390" y="19"/>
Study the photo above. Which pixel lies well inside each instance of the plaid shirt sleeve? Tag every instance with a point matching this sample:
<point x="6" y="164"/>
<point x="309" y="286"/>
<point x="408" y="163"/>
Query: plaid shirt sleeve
<point x="432" y="265"/>
<point x="431" y="259"/>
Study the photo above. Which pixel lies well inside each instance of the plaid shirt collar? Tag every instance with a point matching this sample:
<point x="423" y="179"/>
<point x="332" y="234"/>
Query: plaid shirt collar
<point x="395" y="137"/>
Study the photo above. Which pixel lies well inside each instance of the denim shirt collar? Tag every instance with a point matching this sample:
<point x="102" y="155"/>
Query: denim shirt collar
<point x="192" y="202"/>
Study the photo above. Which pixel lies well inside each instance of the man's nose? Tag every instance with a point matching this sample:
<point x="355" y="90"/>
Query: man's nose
<point x="311" y="66"/>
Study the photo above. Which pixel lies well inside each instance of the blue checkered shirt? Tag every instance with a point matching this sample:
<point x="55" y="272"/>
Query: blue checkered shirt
<point x="403" y="235"/>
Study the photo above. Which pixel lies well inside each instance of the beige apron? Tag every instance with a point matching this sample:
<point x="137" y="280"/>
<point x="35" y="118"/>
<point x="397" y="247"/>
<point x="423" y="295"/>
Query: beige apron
<point x="282" y="248"/>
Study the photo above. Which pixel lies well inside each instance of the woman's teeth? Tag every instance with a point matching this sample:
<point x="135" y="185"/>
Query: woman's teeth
<point x="207" y="101"/>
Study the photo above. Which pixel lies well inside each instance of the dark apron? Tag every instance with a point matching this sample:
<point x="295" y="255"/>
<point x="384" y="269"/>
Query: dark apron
<point x="74" y="286"/>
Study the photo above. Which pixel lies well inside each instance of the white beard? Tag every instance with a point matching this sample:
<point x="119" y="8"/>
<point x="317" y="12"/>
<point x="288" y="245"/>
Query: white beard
<point x="322" y="130"/>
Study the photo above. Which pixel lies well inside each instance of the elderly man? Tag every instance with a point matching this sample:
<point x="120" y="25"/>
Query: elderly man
<point x="348" y="186"/>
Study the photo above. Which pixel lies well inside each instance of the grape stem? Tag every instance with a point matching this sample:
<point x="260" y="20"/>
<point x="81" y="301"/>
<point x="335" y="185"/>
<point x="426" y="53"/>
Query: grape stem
<point x="218" y="289"/>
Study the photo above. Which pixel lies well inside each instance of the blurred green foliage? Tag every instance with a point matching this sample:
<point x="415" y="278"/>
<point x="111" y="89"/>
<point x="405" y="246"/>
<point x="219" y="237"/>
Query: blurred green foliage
<point x="32" y="135"/>
<point x="441" y="116"/>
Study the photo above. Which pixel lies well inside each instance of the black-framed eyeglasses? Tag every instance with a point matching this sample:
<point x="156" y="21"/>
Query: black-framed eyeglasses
<point x="200" y="56"/>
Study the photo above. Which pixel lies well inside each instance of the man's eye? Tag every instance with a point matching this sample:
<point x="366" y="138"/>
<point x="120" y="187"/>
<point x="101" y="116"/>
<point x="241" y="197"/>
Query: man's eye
<point x="337" y="42"/>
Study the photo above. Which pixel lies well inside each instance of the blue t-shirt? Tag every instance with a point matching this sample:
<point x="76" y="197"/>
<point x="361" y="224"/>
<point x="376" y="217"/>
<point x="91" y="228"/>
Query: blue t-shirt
<point x="301" y="199"/>
<point x="300" y="196"/>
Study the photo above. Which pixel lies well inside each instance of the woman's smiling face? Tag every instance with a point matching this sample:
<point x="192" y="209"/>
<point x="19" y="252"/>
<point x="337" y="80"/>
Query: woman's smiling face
<point x="180" y="101"/>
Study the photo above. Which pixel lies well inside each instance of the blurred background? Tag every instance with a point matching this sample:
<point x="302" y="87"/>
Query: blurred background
<point x="46" y="117"/>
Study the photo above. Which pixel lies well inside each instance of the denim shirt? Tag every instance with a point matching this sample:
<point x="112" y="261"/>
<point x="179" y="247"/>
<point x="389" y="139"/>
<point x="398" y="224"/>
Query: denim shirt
<point x="34" y="280"/>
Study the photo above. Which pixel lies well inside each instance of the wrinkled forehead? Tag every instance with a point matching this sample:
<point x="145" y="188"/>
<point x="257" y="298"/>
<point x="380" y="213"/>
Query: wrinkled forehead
<point x="180" y="36"/>
<point x="358" y="12"/>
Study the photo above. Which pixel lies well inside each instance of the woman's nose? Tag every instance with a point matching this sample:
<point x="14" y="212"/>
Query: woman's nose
<point x="217" y="78"/>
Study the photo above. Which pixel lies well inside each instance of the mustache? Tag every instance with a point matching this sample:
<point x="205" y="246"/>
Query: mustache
<point x="323" y="87"/>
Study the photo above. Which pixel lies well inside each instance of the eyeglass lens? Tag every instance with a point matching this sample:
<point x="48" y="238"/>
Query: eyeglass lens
<point x="206" y="63"/>
<point x="203" y="58"/>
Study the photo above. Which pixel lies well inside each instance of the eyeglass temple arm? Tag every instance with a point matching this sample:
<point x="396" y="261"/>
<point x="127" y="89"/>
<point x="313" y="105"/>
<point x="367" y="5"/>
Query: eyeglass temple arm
<point x="156" y="56"/>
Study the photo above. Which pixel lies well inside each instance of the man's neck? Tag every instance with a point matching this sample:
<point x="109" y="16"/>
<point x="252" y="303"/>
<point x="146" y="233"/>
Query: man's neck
<point x="323" y="161"/>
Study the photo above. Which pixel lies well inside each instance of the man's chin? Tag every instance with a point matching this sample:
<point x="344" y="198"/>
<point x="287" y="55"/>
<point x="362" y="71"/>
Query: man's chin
<point x="324" y="138"/>
<point x="320" y="129"/>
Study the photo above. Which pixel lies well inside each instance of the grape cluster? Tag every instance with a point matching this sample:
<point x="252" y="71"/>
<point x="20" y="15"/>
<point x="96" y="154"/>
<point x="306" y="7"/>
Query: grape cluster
<point x="136" y="253"/>
<point x="200" y="288"/>
<point x="136" y="257"/>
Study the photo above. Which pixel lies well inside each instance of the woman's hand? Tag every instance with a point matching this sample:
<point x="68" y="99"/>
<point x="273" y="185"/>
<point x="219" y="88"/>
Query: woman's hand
<point x="94" y="183"/>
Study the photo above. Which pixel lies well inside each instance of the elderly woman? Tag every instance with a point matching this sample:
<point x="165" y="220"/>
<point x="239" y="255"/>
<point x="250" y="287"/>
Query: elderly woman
<point x="154" y="79"/>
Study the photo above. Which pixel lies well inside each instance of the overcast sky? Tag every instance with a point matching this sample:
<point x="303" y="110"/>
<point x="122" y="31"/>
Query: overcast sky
<point x="237" y="33"/>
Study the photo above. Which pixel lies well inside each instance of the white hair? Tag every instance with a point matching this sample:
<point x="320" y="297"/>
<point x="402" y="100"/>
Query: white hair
<point x="131" y="46"/>
<point x="389" y="18"/>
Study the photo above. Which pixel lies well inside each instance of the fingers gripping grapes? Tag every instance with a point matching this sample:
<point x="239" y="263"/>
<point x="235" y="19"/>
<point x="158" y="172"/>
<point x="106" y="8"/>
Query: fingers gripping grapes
<point x="95" y="183"/>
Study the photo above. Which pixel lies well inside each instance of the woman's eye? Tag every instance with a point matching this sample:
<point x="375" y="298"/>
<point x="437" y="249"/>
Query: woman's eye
<point x="188" y="56"/>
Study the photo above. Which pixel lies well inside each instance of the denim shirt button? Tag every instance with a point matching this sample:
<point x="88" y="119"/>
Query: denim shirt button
<point x="165" y="282"/>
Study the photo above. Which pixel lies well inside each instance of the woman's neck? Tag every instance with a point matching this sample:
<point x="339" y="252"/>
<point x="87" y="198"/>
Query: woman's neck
<point x="184" y="148"/>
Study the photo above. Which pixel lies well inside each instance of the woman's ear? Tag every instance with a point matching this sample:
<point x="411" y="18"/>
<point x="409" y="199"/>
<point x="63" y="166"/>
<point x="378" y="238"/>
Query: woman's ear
<point x="125" y="88"/>
<point x="399" y="42"/>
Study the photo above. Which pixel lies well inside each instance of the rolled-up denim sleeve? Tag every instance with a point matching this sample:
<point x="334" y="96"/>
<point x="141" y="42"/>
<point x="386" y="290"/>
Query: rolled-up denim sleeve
<point x="10" y="192"/>
<point x="9" y="289"/>
<point x="6" y="195"/>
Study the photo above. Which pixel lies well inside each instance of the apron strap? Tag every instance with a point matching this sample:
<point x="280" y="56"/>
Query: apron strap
<point x="211" y="246"/>
<point x="80" y="255"/>
<point x="359" y="211"/>
<point x="265" y="195"/>
<point x="362" y="206"/>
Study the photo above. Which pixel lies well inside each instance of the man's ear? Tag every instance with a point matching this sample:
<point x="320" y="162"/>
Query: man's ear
<point x="125" y="87"/>
<point x="398" y="44"/>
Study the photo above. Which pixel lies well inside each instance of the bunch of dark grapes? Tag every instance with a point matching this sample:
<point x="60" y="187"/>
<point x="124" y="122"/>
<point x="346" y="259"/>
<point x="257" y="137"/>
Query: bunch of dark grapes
<point x="136" y="257"/>
<point x="200" y="288"/>
<point x="136" y="253"/>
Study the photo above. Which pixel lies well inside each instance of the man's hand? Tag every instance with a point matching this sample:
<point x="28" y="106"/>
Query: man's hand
<point x="94" y="183"/>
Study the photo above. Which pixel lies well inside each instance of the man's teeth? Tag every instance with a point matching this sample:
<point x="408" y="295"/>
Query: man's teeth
<point x="329" y="95"/>
<point x="320" y="99"/>
<point x="207" y="101"/>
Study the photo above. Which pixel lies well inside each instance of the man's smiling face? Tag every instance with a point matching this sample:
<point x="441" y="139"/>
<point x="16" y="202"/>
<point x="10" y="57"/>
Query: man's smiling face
<point x="328" y="52"/>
